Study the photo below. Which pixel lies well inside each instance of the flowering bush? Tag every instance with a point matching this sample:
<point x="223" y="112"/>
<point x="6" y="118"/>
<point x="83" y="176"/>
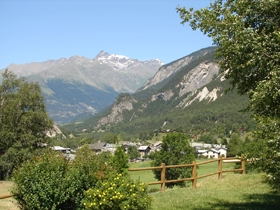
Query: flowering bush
<point x="52" y="182"/>
<point x="119" y="193"/>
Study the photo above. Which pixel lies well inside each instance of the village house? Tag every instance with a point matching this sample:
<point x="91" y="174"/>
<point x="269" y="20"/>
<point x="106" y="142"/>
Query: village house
<point x="67" y="152"/>
<point x="144" y="150"/>
<point x="209" y="150"/>
<point x="61" y="149"/>
<point x="97" y="147"/>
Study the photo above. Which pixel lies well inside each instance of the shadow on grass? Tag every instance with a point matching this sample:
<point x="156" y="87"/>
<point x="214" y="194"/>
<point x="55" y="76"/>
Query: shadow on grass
<point x="254" y="201"/>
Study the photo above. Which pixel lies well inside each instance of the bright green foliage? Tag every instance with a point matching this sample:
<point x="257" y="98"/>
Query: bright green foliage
<point x="119" y="192"/>
<point x="43" y="184"/>
<point x="132" y="152"/>
<point x="23" y="122"/>
<point x="234" y="146"/>
<point x="110" y="138"/>
<point x="52" y="182"/>
<point x="175" y="150"/>
<point x="269" y="130"/>
<point x="248" y="37"/>
<point x="120" y="160"/>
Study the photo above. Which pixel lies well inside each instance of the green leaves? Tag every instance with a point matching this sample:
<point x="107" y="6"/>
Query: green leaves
<point x="118" y="192"/>
<point x="23" y="121"/>
<point x="248" y="37"/>
<point x="175" y="150"/>
<point x="52" y="182"/>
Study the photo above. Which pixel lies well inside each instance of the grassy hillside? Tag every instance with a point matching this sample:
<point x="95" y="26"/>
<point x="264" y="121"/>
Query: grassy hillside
<point x="233" y="192"/>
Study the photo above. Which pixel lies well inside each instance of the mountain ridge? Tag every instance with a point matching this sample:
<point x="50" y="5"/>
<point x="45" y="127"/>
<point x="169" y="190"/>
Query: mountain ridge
<point x="192" y="95"/>
<point x="94" y="83"/>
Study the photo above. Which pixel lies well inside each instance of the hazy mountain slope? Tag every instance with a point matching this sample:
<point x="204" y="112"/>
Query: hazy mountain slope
<point x="78" y="87"/>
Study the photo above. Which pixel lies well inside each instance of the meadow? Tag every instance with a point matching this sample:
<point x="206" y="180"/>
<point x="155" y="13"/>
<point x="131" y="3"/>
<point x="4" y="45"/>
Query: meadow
<point x="233" y="192"/>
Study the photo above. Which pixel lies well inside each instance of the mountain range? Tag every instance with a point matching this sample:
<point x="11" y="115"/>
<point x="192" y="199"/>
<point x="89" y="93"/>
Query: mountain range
<point x="77" y="87"/>
<point x="186" y="93"/>
<point x="118" y="94"/>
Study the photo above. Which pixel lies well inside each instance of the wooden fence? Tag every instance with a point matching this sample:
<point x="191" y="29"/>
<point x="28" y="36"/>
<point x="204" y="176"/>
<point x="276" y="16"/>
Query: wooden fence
<point x="194" y="177"/>
<point x="194" y="165"/>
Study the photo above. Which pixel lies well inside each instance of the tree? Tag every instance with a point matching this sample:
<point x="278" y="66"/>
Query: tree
<point x="175" y="150"/>
<point x="247" y="34"/>
<point x="110" y="138"/>
<point x="23" y="122"/>
<point x="132" y="152"/>
<point x="234" y="145"/>
<point x="120" y="160"/>
<point x="54" y="182"/>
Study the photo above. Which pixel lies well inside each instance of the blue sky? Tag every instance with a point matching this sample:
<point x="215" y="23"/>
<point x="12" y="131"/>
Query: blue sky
<point x="40" y="30"/>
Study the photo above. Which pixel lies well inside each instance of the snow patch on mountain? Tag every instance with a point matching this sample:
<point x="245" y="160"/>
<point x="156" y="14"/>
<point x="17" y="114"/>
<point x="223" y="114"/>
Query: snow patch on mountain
<point x="121" y="62"/>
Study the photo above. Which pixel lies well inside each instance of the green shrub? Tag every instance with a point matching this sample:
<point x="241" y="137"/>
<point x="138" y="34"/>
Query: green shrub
<point x="120" y="160"/>
<point x="118" y="193"/>
<point x="175" y="150"/>
<point x="51" y="182"/>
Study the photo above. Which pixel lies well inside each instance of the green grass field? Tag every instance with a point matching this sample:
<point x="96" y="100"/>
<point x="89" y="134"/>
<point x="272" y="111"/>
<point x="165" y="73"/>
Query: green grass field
<point x="232" y="192"/>
<point x="147" y="175"/>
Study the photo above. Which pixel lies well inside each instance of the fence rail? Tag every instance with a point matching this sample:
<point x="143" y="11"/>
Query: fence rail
<point x="194" y="165"/>
<point x="194" y="177"/>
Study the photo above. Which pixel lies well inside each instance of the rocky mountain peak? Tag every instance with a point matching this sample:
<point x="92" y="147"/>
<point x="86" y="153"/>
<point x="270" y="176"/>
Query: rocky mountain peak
<point x="122" y="63"/>
<point x="102" y="54"/>
<point x="118" y="62"/>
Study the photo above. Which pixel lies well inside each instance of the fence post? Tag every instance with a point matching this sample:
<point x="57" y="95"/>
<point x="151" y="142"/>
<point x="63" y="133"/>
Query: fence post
<point x="162" y="179"/>
<point x="220" y="167"/>
<point x="194" y="174"/>
<point x="243" y="164"/>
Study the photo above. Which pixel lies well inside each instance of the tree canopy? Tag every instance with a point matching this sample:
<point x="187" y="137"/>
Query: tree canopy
<point x="23" y="121"/>
<point x="175" y="150"/>
<point x="247" y="34"/>
<point x="133" y="152"/>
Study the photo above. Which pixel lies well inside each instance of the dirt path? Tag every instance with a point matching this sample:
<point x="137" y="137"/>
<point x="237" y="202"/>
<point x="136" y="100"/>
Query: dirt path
<point x="7" y="203"/>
